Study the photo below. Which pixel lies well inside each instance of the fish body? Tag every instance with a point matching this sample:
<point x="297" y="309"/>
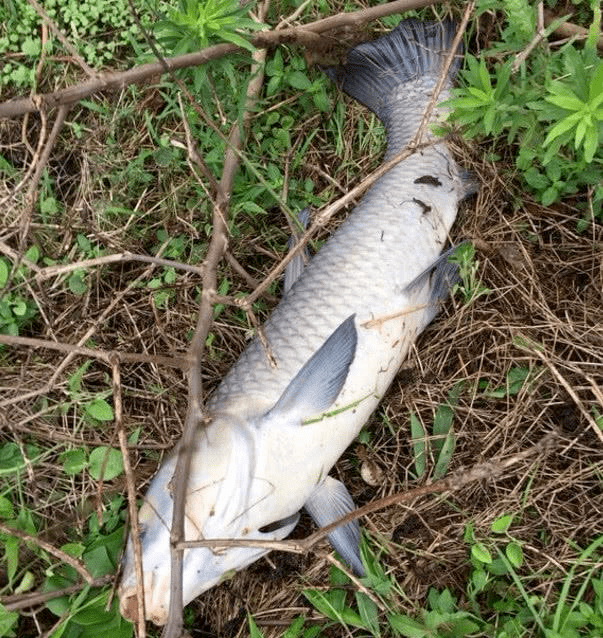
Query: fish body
<point x="338" y="338"/>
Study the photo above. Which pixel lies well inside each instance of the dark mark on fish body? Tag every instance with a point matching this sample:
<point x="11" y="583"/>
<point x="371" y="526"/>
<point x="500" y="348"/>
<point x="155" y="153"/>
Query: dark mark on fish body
<point x="382" y="234"/>
<point x="426" y="208"/>
<point x="429" y="180"/>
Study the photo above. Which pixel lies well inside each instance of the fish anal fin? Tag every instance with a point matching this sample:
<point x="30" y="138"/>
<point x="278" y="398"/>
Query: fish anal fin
<point x="328" y="502"/>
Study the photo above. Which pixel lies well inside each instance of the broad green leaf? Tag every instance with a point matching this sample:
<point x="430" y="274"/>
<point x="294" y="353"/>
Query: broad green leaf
<point x="408" y="627"/>
<point x="561" y="127"/>
<point x="32" y="254"/>
<point x="502" y="523"/>
<point x="235" y="38"/>
<point x="444" y="457"/>
<point x="11" y="458"/>
<point x="590" y="144"/>
<point x="74" y="461"/>
<point x="514" y="554"/>
<point x="8" y="620"/>
<point x="99" y="409"/>
<point x="27" y="582"/>
<point x="77" y="283"/>
<point x="6" y="508"/>
<point x="595" y="87"/>
<point x="98" y="562"/>
<point x="368" y="612"/>
<point x="4" y="270"/>
<point x="568" y="102"/>
<point x="75" y="379"/>
<point x="254" y="631"/>
<point x="299" y="80"/>
<point x="110" y="458"/>
<point x="11" y="556"/>
<point x="481" y="553"/>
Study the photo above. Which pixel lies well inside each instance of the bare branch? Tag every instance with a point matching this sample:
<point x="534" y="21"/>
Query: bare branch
<point x="194" y="418"/>
<point x="118" y="80"/>
<point x="451" y="483"/>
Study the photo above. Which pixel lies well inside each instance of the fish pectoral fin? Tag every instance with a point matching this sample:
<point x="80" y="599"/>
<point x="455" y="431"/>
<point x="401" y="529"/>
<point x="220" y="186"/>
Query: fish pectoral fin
<point x="284" y="524"/>
<point x="316" y="386"/>
<point x="295" y="267"/>
<point x="328" y="502"/>
<point x="439" y="278"/>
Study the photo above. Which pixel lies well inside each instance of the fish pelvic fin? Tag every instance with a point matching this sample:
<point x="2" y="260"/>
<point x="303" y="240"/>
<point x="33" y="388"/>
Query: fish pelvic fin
<point x="374" y="71"/>
<point x="328" y="502"/>
<point x="316" y="386"/>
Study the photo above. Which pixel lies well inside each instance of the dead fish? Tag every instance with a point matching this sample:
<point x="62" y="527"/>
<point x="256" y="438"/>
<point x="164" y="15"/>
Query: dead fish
<point x="339" y="336"/>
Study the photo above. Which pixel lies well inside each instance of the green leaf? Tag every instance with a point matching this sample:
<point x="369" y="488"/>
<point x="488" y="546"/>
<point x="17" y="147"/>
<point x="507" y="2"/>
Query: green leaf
<point x="408" y="627"/>
<point x="31" y="47"/>
<point x="368" y="612"/>
<point x="11" y="556"/>
<point x="110" y="458"/>
<point x="32" y="254"/>
<point x="444" y="457"/>
<point x="98" y="562"/>
<point x="417" y="434"/>
<point x="4" y="270"/>
<point x="11" y="458"/>
<point x="561" y="127"/>
<point x="74" y="382"/>
<point x="77" y="284"/>
<point x="6" y="508"/>
<point x="591" y="144"/>
<point x="254" y="632"/>
<point x="99" y="409"/>
<point x="514" y="554"/>
<point x="74" y="461"/>
<point x="502" y="523"/>
<point x="299" y="80"/>
<point x="235" y="38"/>
<point x="481" y="553"/>
<point x="568" y="101"/>
<point x="8" y="620"/>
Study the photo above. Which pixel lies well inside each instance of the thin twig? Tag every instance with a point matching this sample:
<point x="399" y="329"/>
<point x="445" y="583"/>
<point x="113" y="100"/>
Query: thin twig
<point x="116" y="258"/>
<point x="101" y="355"/>
<point x="32" y="599"/>
<point x="131" y="490"/>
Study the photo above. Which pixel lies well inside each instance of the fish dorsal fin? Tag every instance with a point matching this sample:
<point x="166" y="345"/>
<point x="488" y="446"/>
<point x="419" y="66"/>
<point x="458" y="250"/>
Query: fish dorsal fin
<point x="295" y="267"/>
<point x="316" y="386"/>
<point x="328" y="502"/>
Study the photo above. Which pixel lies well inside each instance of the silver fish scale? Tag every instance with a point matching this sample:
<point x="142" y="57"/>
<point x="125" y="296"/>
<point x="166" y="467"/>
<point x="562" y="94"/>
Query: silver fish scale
<point x="383" y="244"/>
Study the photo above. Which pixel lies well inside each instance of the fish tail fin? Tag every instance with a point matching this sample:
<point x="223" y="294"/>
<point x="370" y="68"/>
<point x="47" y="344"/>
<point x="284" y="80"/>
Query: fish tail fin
<point x="375" y="71"/>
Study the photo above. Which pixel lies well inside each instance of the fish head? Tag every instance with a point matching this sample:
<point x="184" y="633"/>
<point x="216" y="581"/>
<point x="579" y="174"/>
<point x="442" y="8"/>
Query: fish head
<point x="224" y="500"/>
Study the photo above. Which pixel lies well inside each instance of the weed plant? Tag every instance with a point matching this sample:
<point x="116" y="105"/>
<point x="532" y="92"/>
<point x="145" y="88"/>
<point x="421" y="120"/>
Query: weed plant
<point x="549" y="106"/>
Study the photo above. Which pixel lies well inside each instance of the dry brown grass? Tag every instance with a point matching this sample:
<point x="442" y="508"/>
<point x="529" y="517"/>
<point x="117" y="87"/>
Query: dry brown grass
<point x="546" y="284"/>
